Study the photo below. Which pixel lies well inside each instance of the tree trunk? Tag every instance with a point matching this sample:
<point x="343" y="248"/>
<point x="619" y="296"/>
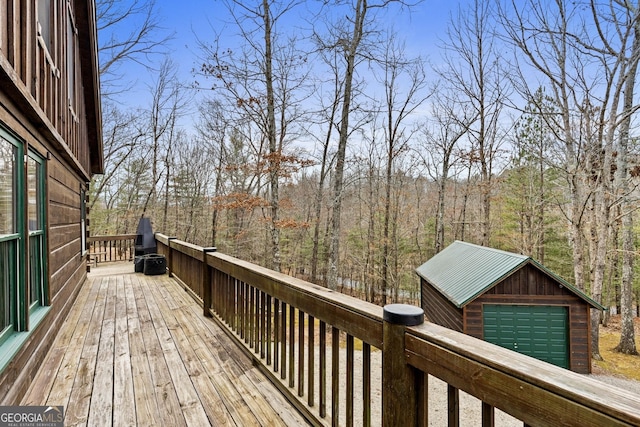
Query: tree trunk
<point x="627" y="342"/>
<point x="441" y="205"/>
<point x="338" y="182"/>
<point x="274" y="153"/>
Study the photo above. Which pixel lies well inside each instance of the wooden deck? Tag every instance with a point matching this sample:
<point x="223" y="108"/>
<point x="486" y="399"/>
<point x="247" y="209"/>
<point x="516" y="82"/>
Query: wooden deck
<point x="136" y="350"/>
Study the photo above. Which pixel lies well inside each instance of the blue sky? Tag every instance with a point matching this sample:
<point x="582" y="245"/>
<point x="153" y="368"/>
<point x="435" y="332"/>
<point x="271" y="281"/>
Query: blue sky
<point x="421" y="29"/>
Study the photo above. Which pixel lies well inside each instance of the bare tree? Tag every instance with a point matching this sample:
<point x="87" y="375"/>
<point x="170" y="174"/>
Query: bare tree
<point x="261" y="84"/>
<point x="328" y="114"/>
<point x="472" y="67"/>
<point x="451" y="119"/>
<point x="557" y="44"/>
<point x="120" y="134"/>
<point x="404" y="83"/>
<point x="168" y="103"/>
<point x="213" y="129"/>
<point x="627" y="342"/>
<point x="129" y="32"/>
<point x="350" y="37"/>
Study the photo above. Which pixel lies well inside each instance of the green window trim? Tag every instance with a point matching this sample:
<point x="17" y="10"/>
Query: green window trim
<point x="15" y="340"/>
<point x="38" y="277"/>
<point x="23" y="244"/>
<point x="12" y="241"/>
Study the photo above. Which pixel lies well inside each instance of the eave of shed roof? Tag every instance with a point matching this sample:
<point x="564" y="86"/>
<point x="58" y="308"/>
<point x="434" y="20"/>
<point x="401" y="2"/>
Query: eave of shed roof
<point x="464" y="271"/>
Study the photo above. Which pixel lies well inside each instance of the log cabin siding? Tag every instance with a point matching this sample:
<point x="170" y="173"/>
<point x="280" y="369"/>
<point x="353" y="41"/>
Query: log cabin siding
<point x="38" y="79"/>
<point x="35" y="106"/>
<point x="66" y="264"/>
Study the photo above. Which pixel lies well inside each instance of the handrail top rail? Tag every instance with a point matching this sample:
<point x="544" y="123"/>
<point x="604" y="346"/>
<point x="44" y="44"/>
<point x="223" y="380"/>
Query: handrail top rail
<point x="589" y="392"/>
<point x="111" y="237"/>
<point x="322" y="303"/>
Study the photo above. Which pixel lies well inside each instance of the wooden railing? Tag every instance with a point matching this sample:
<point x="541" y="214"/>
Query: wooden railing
<point x="111" y="248"/>
<point x="342" y="361"/>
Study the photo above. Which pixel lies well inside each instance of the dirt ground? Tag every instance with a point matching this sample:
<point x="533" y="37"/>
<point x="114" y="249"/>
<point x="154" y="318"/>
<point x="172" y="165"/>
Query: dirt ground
<point x="614" y="325"/>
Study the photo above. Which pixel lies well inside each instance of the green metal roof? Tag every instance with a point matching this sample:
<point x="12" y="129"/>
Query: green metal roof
<point x="464" y="271"/>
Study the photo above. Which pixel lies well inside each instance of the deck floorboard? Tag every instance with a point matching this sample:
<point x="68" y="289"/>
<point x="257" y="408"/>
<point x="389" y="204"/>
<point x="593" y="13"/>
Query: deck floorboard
<point x="135" y="350"/>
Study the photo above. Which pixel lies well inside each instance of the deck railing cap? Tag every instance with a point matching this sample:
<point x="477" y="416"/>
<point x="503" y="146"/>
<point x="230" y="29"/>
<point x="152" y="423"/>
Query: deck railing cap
<point x="403" y="314"/>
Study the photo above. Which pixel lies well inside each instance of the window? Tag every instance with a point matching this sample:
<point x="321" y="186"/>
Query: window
<point x="37" y="237"/>
<point x="11" y="267"/>
<point x="44" y="23"/>
<point x="23" y="250"/>
<point x="83" y="221"/>
<point x="72" y="52"/>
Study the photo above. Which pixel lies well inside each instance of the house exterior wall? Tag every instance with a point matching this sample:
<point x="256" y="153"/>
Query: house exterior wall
<point x="49" y="105"/>
<point x="530" y="286"/>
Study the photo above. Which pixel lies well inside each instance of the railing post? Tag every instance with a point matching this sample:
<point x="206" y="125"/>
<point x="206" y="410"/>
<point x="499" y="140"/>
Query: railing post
<point x="170" y="256"/>
<point x="400" y="382"/>
<point x="206" y="282"/>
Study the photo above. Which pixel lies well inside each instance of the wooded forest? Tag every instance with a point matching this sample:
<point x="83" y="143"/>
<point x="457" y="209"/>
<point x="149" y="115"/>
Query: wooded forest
<point x="336" y="151"/>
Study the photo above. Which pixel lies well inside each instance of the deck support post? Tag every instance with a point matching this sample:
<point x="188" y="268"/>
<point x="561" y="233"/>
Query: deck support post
<point x="170" y="256"/>
<point x="401" y="383"/>
<point x="206" y="283"/>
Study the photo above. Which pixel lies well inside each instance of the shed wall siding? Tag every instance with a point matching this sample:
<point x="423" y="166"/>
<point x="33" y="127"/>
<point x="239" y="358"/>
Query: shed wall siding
<point x="530" y="286"/>
<point x="438" y="309"/>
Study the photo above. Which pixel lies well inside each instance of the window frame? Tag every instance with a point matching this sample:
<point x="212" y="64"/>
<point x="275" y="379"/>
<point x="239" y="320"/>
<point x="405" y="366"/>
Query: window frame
<point x="25" y="319"/>
<point x="72" y="59"/>
<point x="47" y="38"/>
<point x="17" y="289"/>
<point x="39" y="234"/>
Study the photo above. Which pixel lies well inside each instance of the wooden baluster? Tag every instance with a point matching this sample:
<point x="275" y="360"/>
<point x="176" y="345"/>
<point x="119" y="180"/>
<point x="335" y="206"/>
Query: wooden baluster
<point x="292" y="344"/>
<point x="263" y="324"/>
<point x="276" y="334"/>
<point x="242" y="310"/>
<point x="170" y="256"/>
<point x="488" y="415"/>
<point x="453" y="406"/>
<point x="423" y="400"/>
<point x="283" y="341"/>
<point x="349" y="391"/>
<point x="233" y="290"/>
<point x="311" y="361"/>
<point x="268" y="331"/>
<point x="227" y="297"/>
<point x="257" y="322"/>
<point x="335" y="376"/>
<point x="300" y="353"/>
<point x="252" y="316"/>
<point x="366" y="384"/>
<point x="322" y="372"/>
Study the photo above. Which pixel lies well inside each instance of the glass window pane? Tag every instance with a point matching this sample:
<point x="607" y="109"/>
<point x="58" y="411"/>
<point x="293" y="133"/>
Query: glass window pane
<point x="33" y="196"/>
<point x="7" y="281"/>
<point x="7" y="184"/>
<point x="44" y="19"/>
<point x="71" y="60"/>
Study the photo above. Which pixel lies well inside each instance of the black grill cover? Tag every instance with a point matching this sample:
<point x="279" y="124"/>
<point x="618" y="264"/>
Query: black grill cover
<point x="145" y="240"/>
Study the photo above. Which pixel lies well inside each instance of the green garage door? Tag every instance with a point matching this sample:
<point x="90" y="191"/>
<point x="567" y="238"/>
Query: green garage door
<point x="538" y="331"/>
